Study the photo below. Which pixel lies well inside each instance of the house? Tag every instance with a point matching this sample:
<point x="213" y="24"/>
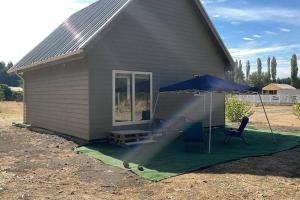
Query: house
<point x="102" y="68"/>
<point x="279" y="89"/>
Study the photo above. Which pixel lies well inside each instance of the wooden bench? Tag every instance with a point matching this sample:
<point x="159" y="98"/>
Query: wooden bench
<point x="131" y="137"/>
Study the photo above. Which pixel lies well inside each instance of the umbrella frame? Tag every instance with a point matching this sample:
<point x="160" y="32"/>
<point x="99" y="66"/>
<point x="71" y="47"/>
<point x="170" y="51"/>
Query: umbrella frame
<point x="210" y="108"/>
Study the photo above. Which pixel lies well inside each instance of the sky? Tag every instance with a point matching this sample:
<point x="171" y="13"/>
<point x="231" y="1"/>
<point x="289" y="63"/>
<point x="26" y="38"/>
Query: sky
<point x="249" y="28"/>
<point x="258" y="28"/>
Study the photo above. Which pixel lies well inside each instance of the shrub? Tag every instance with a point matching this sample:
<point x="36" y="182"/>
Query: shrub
<point x="5" y="93"/>
<point x="296" y="108"/>
<point x="2" y="95"/>
<point x="17" y="96"/>
<point x="236" y="109"/>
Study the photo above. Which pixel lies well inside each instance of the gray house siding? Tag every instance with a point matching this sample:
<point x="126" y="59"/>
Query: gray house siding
<point x="57" y="98"/>
<point x="192" y="107"/>
<point x="164" y="37"/>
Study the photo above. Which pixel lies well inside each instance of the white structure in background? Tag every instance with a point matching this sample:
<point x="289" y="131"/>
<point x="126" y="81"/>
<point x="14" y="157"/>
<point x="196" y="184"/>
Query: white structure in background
<point x="289" y="92"/>
<point x="16" y="89"/>
<point x="274" y="93"/>
<point x="270" y="99"/>
<point x="280" y="89"/>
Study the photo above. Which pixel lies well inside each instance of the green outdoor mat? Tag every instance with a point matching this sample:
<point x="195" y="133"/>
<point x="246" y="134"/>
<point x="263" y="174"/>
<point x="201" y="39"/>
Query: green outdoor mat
<point x="172" y="156"/>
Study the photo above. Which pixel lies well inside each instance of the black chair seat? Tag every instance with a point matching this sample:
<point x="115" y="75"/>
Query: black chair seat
<point x="234" y="133"/>
<point x="239" y="133"/>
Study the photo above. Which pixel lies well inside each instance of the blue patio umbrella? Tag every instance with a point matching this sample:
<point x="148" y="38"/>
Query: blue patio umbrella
<point x="207" y="83"/>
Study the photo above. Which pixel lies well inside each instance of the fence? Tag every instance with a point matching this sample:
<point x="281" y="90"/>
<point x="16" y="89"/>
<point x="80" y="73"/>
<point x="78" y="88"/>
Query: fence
<point x="270" y="99"/>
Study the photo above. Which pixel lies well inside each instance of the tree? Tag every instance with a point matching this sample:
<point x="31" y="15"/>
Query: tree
<point x="254" y="80"/>
<point x="248" y="67"/>
<point x="9" y="65"/>
<point x="3" y="74"/>
<point x="230" y="75"/>
<point x="274" y="69"/>
<point x="259" y="67"/>
<point x="265" y="79"/>
<point x="6" y="93"/>
<point x="269" y="69"/>
<point x="258" y="82"/>
<point x="294" y="70"/>
<point x="5" y="78"/>
<point x="236" y="69"/>
<point x="284" y="80"/>
<point x="241" y="73"/>
<point x="2" y="66"/>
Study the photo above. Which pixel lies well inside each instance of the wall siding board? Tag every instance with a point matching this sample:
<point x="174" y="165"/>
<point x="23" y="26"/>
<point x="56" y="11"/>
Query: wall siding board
<point x="150" y="36"/>
<point x="58" y="98"/>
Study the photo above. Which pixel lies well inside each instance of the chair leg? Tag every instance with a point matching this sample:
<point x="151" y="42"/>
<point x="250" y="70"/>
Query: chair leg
<point x="227" y="139"/>
<point x="244" y="140"/>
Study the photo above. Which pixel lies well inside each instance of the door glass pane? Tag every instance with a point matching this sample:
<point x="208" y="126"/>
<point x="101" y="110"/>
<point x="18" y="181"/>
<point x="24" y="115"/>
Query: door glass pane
<point x="123" y="97"/>
<point x="142" y="97"/>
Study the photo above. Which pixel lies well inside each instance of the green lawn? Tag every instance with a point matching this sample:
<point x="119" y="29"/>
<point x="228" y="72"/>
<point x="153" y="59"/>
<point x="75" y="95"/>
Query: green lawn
<point x="172" y="156"/>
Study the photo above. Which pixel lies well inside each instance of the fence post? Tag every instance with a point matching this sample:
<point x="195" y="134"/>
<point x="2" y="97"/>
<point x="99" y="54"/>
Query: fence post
<point x="279" y="99"/>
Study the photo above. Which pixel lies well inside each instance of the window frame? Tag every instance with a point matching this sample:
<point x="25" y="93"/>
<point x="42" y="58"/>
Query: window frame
<point x="134" y="121"/>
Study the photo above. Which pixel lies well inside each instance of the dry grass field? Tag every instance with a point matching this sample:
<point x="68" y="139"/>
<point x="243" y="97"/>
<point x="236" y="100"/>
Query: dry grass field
<point x="281" y="118"/>
<point x="38" y="166"/>
<point x="10" y="112"/>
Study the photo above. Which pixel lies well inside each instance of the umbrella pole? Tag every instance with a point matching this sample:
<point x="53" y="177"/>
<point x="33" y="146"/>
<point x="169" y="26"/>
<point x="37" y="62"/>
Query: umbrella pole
<point x="262" y="103"/>
<point x="155" y="106"/>
<point x="210" y="123"/>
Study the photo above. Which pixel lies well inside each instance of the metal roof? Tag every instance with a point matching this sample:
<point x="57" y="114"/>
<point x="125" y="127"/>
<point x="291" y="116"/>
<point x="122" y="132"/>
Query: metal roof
<point x="73" y="34"/>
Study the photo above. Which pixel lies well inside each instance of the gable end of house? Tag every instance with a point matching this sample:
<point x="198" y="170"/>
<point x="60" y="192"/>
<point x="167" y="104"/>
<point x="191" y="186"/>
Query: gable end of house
<point x="74" y="35"/>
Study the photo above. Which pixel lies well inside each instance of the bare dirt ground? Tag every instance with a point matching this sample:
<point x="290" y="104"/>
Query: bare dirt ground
<point x="38" y="166"/>
<point x="281" y="118"/>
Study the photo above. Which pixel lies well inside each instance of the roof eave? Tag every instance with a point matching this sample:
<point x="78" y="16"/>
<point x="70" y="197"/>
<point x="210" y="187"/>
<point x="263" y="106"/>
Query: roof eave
<point x="51" y="61"/>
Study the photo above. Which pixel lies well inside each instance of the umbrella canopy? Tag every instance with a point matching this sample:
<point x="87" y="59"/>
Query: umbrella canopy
<point x="206" y="83"/>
